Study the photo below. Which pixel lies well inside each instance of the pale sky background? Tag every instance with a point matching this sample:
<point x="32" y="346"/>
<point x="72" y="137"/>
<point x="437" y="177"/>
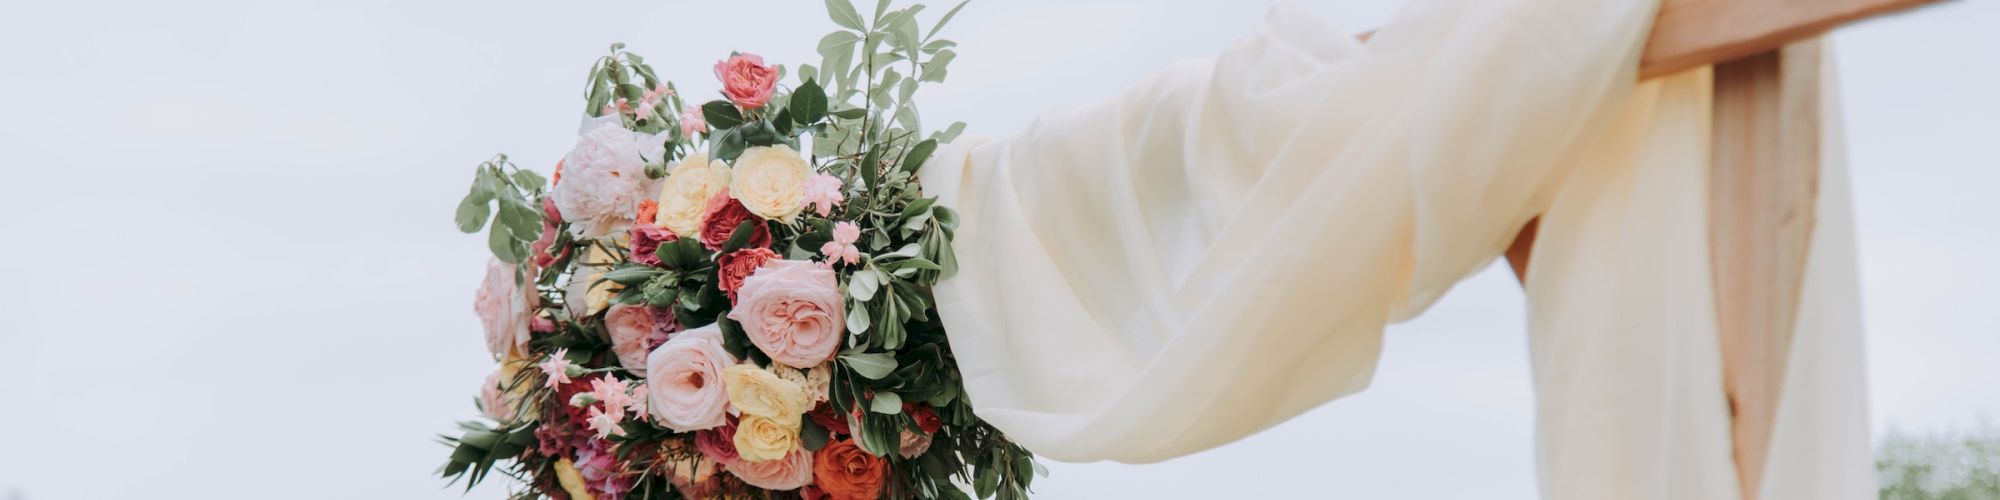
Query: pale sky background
<point x="230" y="268"/>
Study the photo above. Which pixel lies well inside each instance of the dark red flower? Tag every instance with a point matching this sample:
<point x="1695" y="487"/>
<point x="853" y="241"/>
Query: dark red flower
<point x="732" y="267"/>
<point x="721" y="217"/>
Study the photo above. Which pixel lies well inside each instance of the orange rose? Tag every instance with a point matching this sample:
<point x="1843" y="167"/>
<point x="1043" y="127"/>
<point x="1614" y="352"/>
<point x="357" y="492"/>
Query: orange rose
<point x="846" y="472"/>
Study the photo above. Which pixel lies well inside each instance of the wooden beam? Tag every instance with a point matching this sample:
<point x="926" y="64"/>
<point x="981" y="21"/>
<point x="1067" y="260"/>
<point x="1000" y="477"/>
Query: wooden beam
<point x="1689" y="34"/>
<point x="1763" y="189"/>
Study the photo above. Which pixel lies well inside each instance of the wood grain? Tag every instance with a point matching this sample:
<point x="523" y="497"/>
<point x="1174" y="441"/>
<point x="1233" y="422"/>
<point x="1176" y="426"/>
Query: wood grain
<point x="1763" y="189"/>
<point x="1689" y="34"/>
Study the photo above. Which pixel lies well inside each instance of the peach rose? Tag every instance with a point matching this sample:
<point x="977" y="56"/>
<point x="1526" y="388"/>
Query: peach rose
<point x="746" y="80"/>
<point x="846" y="472"/>
<point x="505" y="309"/>
<point x="771" y="181"/>
<point x="633" y="335"/>
<point x="793" y="471"/>
<point x="684" y="387"/>
<point x="791" y="310"/>
<point x="756" y="391"/>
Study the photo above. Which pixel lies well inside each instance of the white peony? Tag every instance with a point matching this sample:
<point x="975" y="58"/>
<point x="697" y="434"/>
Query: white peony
<point x="604" y="177"/>
<point x="685" y="193"/>
<point x="771" y="182"/>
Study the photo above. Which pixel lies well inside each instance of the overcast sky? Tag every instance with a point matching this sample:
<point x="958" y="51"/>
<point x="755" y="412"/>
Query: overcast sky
<point x="231" y="273"/>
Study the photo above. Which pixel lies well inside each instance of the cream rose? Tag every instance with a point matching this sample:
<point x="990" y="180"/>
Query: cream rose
<point x="684" y="194"/>
<point x="771" y="182"/>
<point x="756" y="391"/>
<point x="681" y="378"/>
<point x="760" y="439"/>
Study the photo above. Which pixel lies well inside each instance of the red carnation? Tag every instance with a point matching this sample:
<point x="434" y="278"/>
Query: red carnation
<point x="720" y="219"/>
<point x="732" y="267"/>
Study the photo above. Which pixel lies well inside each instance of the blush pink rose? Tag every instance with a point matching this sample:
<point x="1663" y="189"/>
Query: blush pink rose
<point x="494" y="401"/>
<point x="746" y="80"/>
<point x="684" y="381"/>
<point x="789" y="473"/>
<point x="791" y="310"/>
<point x="630" y="327"/>
<point x="505" y="310"/>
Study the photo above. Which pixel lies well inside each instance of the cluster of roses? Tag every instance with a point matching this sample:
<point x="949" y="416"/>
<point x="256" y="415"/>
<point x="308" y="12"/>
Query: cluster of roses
<point x="744" y="419"/>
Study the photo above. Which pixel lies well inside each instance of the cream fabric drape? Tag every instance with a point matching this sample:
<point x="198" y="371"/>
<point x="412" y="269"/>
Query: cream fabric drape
<point x="1219" y="248"/>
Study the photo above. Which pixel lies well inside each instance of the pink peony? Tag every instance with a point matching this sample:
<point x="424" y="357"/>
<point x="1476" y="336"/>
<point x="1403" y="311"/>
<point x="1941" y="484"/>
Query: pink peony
<point x="631" y="329"/>
<point x="720" y="218"/>
<point x="822" y="193"/>
<point x="505" y="309"/>
<point x="604" y="178"/>
<point x="791" y="472"/>
<point x="746" y="80"/>
<point x="791" y="310"/>
<point x="841" y="247"/>
<point x="684" y="380"/>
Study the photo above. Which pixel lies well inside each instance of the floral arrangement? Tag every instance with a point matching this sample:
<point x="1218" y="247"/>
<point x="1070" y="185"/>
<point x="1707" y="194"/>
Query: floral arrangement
<point x="732" y="299"/>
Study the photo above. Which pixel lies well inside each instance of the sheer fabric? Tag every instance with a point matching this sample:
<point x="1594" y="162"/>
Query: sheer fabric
<point x="1219" y="248"/>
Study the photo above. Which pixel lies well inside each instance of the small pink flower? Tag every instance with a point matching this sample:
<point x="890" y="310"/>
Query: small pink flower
<point x="746" y="80"/>
<point x="841" y="248"/>
<point x="823" y="192"/>
<point x="613" y="393"/>
<point x="557" y="368"/>
<point x="692" y="122"/>
<point x="659" y="91"/>
<point x="646" y="108"/>
<point x="606" y="424"/>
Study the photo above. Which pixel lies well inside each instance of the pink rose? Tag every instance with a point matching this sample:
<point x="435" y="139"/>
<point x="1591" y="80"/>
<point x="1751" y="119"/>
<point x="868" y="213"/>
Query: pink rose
<point x="646" y="241"/>
<point x="791" y="310"/>
<point x="746" y="80"/>
<point x="504" y="309"/>
<point x="789" y="473"/>
<point x="684" y="380"/>
<point x="493" y="400"/>
<point x="719" y="444"/>
<point x="822" y="193"/>
<point x="631" y="330"/>
<point x="913" y="444"/>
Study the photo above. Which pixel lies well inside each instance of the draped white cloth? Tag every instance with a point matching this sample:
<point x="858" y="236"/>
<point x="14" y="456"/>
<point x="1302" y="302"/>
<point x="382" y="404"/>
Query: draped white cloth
<point x="1219" y="248"/>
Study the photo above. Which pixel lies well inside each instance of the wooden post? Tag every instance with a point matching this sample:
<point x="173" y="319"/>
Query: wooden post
<point x="1763" y="186"/>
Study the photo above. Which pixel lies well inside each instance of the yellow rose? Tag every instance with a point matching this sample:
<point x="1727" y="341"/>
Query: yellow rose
<point x="685" y="193"/>
<point x="571" y="480"/>
<point x="771" y="182"/>
<point x="756" y="391"/>
<point x="760" y="439"/>
<point x="591" y="266"/>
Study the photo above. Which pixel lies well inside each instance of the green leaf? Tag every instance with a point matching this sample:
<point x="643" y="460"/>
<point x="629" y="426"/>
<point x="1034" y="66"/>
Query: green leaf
<point x="721" y="114"/>
<point x="471" y="215"/>
<point x="863" y="283"/>
<point x="933" y="47"/>
<point x="812" y="435"/>
<point x="740" y="236"/>
<point x="873" y="366"/>
<point x="843" y="14"/>
<point x="528" y="179"/>
<point x="946" y="19"/>
<point x="857" y="317"/>
<point x="850" y="113"/>
<point x="502" y="243"/>
<point x="632" y="275"/>
<point x="886" y="403"/>
<point x="807" y="72"/>
<point x="934" y="69"/>
<point x="881" y="7"/>
<point x="808" y="103"/>
<point x="919" y="154"/>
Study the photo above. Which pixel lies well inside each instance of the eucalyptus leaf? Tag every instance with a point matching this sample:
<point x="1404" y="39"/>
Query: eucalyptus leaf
<point x="843" y="14"/>
<point x="919" y="154"/>
<point x="863" y="283"/>
<point x="945" y="19"/>
<point x="886" y="403"/>
<point x="471" y="216"/>
<point x="873" y="366"/>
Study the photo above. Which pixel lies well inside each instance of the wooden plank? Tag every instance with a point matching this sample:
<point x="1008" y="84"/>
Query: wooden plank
<point x="1689" y="34"/>
<point x="1763" y="186"/>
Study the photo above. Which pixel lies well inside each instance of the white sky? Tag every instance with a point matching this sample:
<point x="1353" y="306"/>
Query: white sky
<point x="231" y="272"/>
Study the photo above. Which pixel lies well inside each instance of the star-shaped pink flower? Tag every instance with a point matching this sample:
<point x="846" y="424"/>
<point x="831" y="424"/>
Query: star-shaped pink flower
<point x="841" y="248"/>
<point x="613" y="393"/>
<point x="557" y="368"/>
<point x="605" y="424"/>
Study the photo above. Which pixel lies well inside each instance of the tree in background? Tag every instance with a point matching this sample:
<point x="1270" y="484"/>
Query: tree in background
<point x="1954" y="465"/>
